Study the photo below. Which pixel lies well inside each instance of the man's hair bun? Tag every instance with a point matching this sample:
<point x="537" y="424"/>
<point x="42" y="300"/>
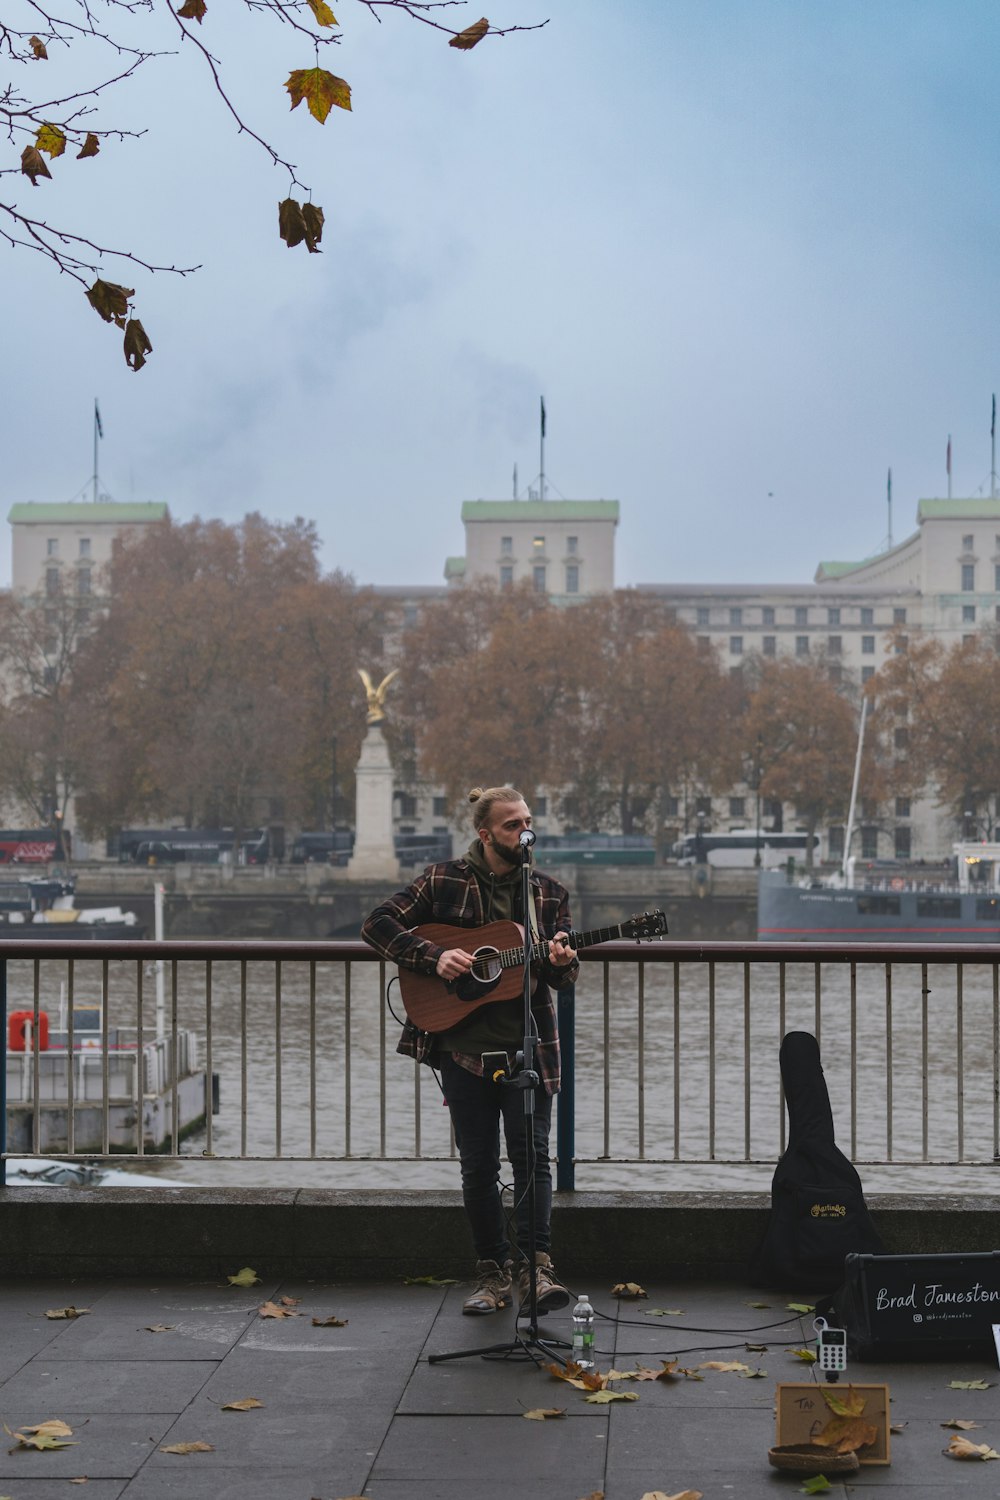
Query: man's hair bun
<point x="475" y="794"/>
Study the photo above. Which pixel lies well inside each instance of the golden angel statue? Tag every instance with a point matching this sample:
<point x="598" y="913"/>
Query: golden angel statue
<point x="376" y="695"/>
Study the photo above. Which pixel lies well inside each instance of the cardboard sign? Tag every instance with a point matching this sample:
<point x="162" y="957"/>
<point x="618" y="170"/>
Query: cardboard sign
<point x="803" y="1413"/>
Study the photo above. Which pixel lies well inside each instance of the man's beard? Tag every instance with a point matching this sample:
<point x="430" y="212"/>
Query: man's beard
<point x="509" y="853"/>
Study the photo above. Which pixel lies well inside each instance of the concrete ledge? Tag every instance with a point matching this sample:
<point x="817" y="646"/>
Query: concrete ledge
<point x="382" y="1235"/>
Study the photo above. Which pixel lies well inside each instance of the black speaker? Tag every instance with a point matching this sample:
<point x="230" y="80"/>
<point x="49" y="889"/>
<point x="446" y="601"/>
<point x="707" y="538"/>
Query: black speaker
<point x="918" y="1306"/>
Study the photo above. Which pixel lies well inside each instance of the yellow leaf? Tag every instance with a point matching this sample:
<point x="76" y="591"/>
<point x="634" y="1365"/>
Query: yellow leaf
<point x="602" y="1398"/>
<point x="663" y="1312"/>
<point x="66" y="1312"/>
<point x="185" y="1448"/>
<point x="961" y="1424"/>
<point x="159" y="1327"/>
<point x="50" y="139"/>
<point x="628" y="1289"/>
<point x="321" y="91"/>
<point x="289" y="1301"/>
<point x="574" y="1374"/>
<point x="969" y="1385"/>
<point x="324" y="15"/>
<point x="272" y="1310"/>
<point x="90" y="147"/>
<point x="545" y="1413"/>
<point x="137" y="345"/>
<point x="193" y="10"/>
<point x="54" y="1427"/>
<point x="43" y="1436"/>
<point x="800" y="1307"/>
<point x="808" y="1356"/>
<point x="246" y="1277"/>
<point x="33" y="164"/>
<point x="681" y="1495"/>
<point x="725" y="1366"/>
<point x="38" y="48"/>
<point x="844" y="1403"/>
<point x="330" y="1322"/>
<point x="247" y="1404"/>
<point x="471" y="36"/>
<point x="846" y="1434"/>
<point x="960" y="1447"/>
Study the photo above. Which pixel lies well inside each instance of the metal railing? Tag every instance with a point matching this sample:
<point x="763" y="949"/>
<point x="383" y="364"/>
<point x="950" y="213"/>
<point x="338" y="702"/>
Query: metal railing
<point x="670" y="1053"/>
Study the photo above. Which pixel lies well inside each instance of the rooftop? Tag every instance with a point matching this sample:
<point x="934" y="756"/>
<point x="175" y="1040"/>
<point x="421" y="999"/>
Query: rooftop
<point x="86" y="512"/>
<point x="540" y="510"/>
<point x="958" y="510"/>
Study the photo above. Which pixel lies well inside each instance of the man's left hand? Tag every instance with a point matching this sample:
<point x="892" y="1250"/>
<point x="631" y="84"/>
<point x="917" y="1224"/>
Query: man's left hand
<point x="561" y="953"/>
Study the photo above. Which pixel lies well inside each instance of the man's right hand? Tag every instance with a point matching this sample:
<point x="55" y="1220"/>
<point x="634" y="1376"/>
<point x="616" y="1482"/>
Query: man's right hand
<point x="453" y="963"/>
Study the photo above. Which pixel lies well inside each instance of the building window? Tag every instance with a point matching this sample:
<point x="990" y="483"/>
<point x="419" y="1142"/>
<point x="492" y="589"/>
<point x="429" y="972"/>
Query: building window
<point x="801" y="645"/>
<point x="902" y="807"/>
<point x="833" y="616"/>
<point x="52" y="547"/>
<point x="407" y="805"/>
<point x="506" y="545"/>
<point x="867" y="616"/>
<point x="835" y="671"/>
<point x="538" y="578"/>
<point x="439" y="807"/>
<point x="572" y="578"/>
<point x="869" y="842"/>
<point x="411" y="614"/>
<point x="834" y="645"/>
<point x="770" y="645"/>
<point x="52" y="580"/>
<point x="736" y="645"/>
<point x="901" y="737"/>
<point x="968" y="577"/>
<point x="702" y="614"/>
<point x="85" y="546"/>
<point x="902" y="843"/>
<point x="538" y="542"/>
<point x="703" y="642"/>
<point x="967" y="543"/>
<point x="835" y="841"/>
<point x="767" y="615"/>
<point x="968" y="614"/>
<point x="902" y="641"/>
<point x="572" y="545"/>
<point x="996" y="578"/>
<point x="671" y="807"/>
<point x="737" y="807"/>
<point x="867" y="645"/>
<point x="801" y="615"/>
<point x="867" y="673"/>
<point x="541" y="807"/>
<point x="899" y="617"/>
<point x="736" y="616"/>
<point x="507" y="575"/>
<point x="703" y="805"/>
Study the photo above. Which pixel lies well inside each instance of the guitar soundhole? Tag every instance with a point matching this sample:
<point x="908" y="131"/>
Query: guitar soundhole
<point x="486" y="966"/>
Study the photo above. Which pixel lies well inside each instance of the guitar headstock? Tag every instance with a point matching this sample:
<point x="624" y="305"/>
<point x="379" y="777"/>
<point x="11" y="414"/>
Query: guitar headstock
<point x="647" y="924"/>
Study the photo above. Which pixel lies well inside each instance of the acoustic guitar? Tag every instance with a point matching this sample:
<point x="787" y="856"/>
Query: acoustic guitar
<point x="435" y="1004"/>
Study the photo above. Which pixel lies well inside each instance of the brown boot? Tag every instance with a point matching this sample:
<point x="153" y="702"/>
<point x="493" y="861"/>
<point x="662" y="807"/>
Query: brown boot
<point x="550" y="1294"/>
<point x="493" y="1288"/>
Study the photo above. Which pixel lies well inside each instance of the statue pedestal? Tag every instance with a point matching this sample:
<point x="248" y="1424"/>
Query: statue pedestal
<point x="374" y="856"/>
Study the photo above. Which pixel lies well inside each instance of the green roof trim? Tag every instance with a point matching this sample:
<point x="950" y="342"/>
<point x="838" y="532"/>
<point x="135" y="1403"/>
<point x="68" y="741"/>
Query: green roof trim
<point x="540" y="510"/>
<point x="454" y="567"/>
<point x="839" y="569"/>
<point x="988" y="510"/>
<point x="86" y="512"/>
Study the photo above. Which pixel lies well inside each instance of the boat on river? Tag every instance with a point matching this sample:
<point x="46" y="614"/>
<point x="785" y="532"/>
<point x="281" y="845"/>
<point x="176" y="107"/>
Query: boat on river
<point x="44" y="906"/>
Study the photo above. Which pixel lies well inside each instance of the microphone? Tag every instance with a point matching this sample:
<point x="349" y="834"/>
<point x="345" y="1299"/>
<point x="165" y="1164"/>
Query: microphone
<point x="526" y="838"/>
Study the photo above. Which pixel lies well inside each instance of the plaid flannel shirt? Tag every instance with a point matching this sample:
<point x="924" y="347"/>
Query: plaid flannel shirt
<point x="451" y="893"/>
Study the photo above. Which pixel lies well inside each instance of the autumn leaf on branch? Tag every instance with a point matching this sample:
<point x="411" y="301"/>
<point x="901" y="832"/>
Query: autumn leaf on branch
<point x="37" y="47"/>
<point x="33" y="164"/>
<point x="110" y="301"/>
<point x="313" y="219"/>
<point x="300" y="221"/>
<point x="137" y="345"/>
<point x="193" y="10"/>
<point x="50" y="139"/>
<point x="324" y="15"/>
<point x="90" y="147"/>
<point x="471" y="36"/>
<point x="321" y="91"/>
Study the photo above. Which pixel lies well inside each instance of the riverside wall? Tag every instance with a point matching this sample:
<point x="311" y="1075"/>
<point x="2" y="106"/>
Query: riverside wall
<point x="315" y="902"/>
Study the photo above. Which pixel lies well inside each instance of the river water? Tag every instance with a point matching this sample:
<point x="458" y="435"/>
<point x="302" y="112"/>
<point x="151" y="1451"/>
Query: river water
<point x="694" y="1108"/>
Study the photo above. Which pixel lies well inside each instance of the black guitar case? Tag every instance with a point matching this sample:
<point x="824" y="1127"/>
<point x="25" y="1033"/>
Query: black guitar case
<point x="818" y="1211"/>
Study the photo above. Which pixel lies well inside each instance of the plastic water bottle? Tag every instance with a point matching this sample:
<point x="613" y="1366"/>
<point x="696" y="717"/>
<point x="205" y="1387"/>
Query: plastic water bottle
<point x="583" y="1333"/>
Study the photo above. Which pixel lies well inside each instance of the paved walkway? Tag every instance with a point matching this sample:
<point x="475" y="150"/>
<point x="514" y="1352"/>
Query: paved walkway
<point x="358" y="1410"/>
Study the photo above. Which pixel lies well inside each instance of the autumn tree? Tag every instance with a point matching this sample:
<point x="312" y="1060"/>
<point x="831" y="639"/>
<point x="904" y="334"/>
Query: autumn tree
<point x="67" y="68"/>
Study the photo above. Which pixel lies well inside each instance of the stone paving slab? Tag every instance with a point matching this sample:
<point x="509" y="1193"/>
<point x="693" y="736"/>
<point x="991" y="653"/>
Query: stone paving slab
<point x="61" y="1489"/>
<point x="108" y="1385"/>
<point x="108" y="1445"/>
<point x="569" y="1453"/>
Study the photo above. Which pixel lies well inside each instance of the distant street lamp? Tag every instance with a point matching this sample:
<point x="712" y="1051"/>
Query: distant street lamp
<point x="758" y="750"/>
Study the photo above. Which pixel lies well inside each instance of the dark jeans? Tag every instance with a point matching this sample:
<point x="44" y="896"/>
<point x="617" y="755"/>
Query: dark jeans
<point x="476" y="1106"/>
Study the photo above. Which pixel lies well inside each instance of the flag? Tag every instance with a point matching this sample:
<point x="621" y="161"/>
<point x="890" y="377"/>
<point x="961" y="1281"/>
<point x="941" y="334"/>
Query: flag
<point x="993" y="423"/>
<point x="97" y="419"/>
<point x="888" y="487"/>
<point x="542" y="399"/>
<point x="947" y="461"/>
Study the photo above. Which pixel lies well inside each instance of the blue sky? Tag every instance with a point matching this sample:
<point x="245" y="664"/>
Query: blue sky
<point x="747" y="249"/>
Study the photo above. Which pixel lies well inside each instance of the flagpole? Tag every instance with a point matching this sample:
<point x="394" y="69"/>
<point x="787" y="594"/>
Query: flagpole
<point x="541" y="482"/>
<point x="96" y="420"/>
<point x="948" y="465"/>
<point x="888" y="493"/>
<point x="993" y="451"/>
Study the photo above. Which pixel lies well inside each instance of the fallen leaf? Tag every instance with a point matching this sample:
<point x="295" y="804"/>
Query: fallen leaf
<point x="330" y="1322"/>
<point x="808" y="1356"/>
<point x="289" y="1301"/>
<point x="50" y="139"/>
<point x="846" y="1434"/>
<point x="628" y="1289"/>
<point x="54" y="1427"/>
<point x="725" y="1366"/>
<point x="246" y="1277"/>
<point x="193" y="10"/>
<point x="602" y="1398"/>
<point x="33" y="164"/>
<point x="960" y="1447"/>
<point x="681" y="1495"/>
<point x="38" y="50"/>
<point x="43" y="1436"/>
<point x="429" y="1281"/>
<point x="817" y="1485"/>
<point x="970" y="1385"/>
<point x="321" y="91"/>
<point x="574" y="1374"/>
<point x="247" y="1404"/>
<point x="81" y="1480"/>
<point x="110" y="301"/>
<point x="669" y="1371"/>
<point x="185" y="1448"/>
<point x="758" y="1304"/>
<point x="594" y="1495"/>
<point x="272" y="1310"/>
<point x="961" y="1424"/>
<point x="90" y="147"/>
<point x="471" y="36"/>
<point x="844" y="1403"/>
<point x="67" y="1312"/>
<point x="897" y="1427"/>
<point x="756" y="1348"/>
<point x="663" y="1312"/>
<point x="544" y="1413"/>
<point x="159" y="1327"/>
<point x="324" y="15"/>
<point x="757" y="1374"/>
<point x="800" y="1307"/>
<point x="137" y="344"/>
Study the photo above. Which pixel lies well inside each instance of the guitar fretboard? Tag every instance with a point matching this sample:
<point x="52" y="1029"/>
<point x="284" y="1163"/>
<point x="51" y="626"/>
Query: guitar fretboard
<point x="510" y="958"/>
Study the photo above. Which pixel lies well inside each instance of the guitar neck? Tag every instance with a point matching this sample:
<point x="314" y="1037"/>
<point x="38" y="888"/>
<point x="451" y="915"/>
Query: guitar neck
<point x="511" y="958"/>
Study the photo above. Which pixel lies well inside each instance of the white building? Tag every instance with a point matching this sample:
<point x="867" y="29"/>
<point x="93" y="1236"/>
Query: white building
<point x="565" y="548"/>
<point x="64" y="547"/>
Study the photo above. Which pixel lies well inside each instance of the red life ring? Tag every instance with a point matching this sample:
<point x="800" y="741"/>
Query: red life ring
<point x="897" y="884"/>
<point x="18" y="1024"/>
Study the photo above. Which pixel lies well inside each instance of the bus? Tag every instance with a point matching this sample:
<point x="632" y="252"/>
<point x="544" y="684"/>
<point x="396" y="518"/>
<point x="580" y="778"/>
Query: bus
<point x="27" y="846"/>
<point x="171" y="846"/>
<point x="737" y="850"/>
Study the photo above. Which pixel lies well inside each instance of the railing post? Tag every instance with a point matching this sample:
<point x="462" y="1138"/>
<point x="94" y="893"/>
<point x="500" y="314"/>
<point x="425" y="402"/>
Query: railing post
<point x="566" y="1100"/>
<point x="3" y="1072"/>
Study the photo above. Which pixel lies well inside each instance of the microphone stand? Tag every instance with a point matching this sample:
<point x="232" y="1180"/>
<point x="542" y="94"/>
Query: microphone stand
<point x="530" y="1344"/>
